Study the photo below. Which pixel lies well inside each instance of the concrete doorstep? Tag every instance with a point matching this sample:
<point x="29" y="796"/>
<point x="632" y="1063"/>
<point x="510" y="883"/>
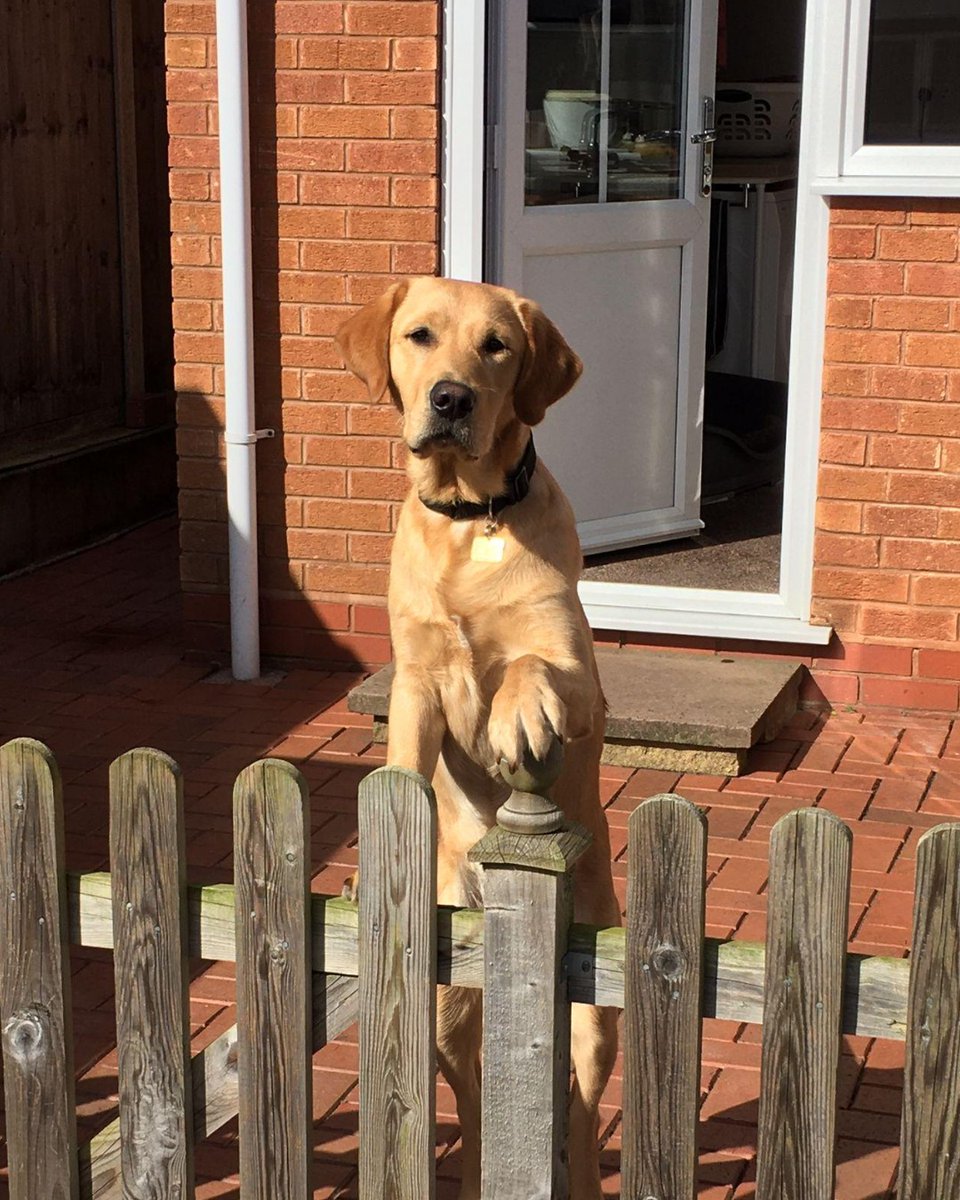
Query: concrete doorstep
<point x="667" y="711"/>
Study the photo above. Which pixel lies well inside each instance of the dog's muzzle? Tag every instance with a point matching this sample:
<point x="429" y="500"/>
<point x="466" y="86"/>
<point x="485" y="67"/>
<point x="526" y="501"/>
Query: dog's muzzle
<point x="449" y="425"/>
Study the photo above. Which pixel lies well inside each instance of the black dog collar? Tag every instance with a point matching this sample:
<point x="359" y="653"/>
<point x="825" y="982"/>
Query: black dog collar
<point x="518" y="484"/>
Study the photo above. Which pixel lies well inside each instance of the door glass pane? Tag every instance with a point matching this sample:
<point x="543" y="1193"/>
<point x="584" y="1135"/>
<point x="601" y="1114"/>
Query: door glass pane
<point x="604" y="112"/>
<point x="913" y="81"/>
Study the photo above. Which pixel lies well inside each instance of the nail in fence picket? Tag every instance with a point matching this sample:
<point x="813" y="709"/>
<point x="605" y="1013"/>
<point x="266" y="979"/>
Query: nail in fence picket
<point x="298" y="960"/>
<point x="930" y="1138"/>
<point x="35" y="978"/>
<point x="150" y="968"/>
<point x="809" y="892"/>
<point x="663" y="993"/>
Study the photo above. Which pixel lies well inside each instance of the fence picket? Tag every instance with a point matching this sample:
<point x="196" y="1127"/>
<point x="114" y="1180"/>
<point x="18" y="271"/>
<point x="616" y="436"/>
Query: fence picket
<point x="148" y="864"/>
<point x="35" y="978"/>
<point x="803" y="986"/>
<point x="663" y="991"/>
<point x="930" y="1136"/>
<point x="398" y="972"/>
<point x="274" y="993"/>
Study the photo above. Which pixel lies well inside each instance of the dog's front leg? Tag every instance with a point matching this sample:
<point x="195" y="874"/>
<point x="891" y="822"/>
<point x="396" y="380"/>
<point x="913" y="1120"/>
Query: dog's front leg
<point x="416" y="723"/>
<point x="536" y="702"/>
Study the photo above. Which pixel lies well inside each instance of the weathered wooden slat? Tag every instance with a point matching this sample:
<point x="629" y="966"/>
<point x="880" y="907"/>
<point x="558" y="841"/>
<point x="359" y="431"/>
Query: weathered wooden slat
<point x="125" y="110"/>
<point x="216" y="1088"/>
<point x="272" y="872"/>
<point x="398" y="973"/>
<point x="663" y="995"/>
<point x="151" y="973"/>
<point x="930" y="1137"/>
<point x="35" y="978"/>
<point x="803" y="983"/>
<point x="875" y="989"/>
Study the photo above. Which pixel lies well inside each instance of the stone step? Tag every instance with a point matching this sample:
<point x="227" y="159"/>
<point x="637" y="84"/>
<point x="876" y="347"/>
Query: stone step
<point x="667" y="710"/>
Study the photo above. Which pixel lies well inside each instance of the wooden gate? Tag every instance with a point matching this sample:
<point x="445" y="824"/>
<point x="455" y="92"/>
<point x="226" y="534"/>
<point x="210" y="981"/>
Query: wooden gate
<point x="307" y="966"/>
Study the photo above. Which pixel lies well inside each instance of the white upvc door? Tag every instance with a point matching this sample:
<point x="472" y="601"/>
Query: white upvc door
<point x="598" y="207"/>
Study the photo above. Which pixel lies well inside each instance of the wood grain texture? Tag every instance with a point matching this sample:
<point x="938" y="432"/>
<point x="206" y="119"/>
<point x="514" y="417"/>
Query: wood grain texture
<point x="398" y="975"/>
<point x="128" y="195"/>
<point x="216" y="1088"/>
<point x="526" y="1065"/>
<point x="58" y="210"/>
<point x="662" y="997"/>
<point x="150" y="968"/>
<point x="806" y="939"/>
<point x="274" y="1000"/>
<point x="930" y="1136"/>
<point x="875" y="988"/>
<point x="34" y="978"/>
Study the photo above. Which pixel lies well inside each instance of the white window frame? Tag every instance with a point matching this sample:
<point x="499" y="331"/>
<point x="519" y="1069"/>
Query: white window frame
<point x="872" y="170"/>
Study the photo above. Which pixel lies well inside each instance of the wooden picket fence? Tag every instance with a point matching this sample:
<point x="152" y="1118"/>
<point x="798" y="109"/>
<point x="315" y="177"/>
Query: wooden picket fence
<point x="308" y="966"/>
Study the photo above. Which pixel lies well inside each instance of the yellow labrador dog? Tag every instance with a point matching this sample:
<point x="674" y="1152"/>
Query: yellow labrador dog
<point x="494" y="657"/>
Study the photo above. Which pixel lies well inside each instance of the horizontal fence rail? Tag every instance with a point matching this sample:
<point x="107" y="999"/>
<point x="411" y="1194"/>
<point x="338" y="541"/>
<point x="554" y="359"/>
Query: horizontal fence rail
<point x="308" y="965"/>
<point x="875" y="987"/>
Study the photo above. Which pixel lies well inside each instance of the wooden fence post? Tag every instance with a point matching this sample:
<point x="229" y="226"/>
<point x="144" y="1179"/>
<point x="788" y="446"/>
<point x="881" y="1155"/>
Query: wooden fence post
<point x="930" y="1137"/>
<point x="663" y="995"/>
<point x="149" y="886"/>
<point x="809" y="893"/>
<point x="527" y="858"/>
<point x="274" y="995"/>
<point x="35" y="978"/>
<point x="398" y="992"/>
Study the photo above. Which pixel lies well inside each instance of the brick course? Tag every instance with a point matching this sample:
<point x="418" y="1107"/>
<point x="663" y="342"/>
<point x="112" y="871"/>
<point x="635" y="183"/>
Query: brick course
<point x="344" y="124"/>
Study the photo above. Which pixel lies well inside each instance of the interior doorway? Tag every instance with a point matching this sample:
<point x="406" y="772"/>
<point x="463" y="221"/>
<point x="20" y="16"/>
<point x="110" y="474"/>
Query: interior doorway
<point x="747" y="343"/>
<point x="675" y="292"/>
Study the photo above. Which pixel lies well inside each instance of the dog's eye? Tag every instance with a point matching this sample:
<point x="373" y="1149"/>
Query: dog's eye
<point x="493" y="345"/>
<point x="420" y="336"/>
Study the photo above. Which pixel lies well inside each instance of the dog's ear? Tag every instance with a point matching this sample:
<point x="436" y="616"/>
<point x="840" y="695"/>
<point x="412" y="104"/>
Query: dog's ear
<point x="364" y="340"/>
<point x="549" y="368"/>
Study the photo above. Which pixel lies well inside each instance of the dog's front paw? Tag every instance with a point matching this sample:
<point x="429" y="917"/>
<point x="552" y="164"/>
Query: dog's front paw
<point x="351" y="887"/>
<point x="525" y="722"/>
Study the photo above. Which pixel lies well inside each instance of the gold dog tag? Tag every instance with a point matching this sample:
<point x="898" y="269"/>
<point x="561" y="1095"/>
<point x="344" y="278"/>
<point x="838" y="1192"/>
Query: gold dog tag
<point x="487" y="549"/>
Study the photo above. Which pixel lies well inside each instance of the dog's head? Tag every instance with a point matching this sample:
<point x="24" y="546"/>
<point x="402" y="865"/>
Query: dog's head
<point x="461" y="361"/>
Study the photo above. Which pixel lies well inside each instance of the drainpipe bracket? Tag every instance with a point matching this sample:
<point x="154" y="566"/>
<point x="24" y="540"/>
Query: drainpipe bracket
<point x="250" y="439"/>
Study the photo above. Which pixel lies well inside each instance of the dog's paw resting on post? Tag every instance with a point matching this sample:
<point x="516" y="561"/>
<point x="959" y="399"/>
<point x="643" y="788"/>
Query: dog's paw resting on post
<point x="494" y="658"/>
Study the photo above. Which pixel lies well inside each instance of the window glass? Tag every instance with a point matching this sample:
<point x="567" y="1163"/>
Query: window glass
<point x="913" y="73"/>
<point x="604" y="100"/>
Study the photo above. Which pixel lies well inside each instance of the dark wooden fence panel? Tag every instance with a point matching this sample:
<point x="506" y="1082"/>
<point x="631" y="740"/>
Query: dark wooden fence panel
<point x="930" y="1139"/>
<point x="398" y="974"/>
<point x="35" y="978"/>
<point x="150" y="965"/>
<point x="271" y="830"/>
<point x="809" y="893"/>
<point x="663" y="994"/>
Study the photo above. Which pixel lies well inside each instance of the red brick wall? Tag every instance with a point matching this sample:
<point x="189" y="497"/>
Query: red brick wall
<point x="344" y="126"/>
<point x="887" y="552"/>
<point x="344" y="130"/>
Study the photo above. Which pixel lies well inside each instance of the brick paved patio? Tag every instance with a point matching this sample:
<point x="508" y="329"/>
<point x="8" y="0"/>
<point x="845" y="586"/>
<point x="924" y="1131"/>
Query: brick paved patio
<point x="91" y="662"/>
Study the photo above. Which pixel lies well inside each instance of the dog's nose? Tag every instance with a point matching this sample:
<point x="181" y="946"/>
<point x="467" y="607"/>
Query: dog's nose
<point x="452" y="400"/>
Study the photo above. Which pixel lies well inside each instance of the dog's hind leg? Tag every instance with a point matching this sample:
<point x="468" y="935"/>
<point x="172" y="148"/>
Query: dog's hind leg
<point x="459" y="1023"/>
<point x="593" y="1051"/>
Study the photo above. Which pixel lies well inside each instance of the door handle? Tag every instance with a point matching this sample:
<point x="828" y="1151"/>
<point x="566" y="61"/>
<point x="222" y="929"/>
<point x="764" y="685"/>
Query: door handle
<point x="705" y="139"/>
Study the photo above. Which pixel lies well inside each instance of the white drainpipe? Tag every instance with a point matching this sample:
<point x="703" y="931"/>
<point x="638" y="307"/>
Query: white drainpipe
<point x="241" y="434"/>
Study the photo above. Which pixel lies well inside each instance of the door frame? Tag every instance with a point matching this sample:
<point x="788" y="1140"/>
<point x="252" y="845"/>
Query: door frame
<point x="469" y="149"/>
